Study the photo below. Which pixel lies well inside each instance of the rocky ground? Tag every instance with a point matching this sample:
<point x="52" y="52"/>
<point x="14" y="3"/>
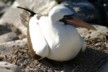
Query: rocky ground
<point x="92" y="60"/>
<point x="13" y="48"/>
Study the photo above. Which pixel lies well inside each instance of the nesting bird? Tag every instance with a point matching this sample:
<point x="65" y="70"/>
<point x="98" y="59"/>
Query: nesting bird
<point x="55" y="36"/>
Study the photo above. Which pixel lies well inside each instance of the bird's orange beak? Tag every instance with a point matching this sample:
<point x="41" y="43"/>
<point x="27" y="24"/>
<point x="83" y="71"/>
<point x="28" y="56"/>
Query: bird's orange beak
<point x="77" y="22"/>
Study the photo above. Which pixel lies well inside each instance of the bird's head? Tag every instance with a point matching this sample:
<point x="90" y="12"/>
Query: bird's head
<point x="62" y="13"/>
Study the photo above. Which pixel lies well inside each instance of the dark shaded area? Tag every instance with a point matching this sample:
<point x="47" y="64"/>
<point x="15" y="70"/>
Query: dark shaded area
<point x="8" y="28"/>
<point x="101" y="9"/>
<point x="4" y="29"/>
<point x="90" y="11"/>
<point x="89" y="61"/>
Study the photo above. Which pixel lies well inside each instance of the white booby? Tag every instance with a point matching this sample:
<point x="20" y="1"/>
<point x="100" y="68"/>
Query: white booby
<point x="55" y="36"/>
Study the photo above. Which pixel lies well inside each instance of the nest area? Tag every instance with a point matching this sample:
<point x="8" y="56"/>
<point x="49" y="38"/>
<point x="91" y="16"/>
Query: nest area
<point x="95" y="56"/>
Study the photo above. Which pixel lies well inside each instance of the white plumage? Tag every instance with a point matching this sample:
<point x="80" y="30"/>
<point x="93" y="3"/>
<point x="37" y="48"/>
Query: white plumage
<point x="52" y="38"/>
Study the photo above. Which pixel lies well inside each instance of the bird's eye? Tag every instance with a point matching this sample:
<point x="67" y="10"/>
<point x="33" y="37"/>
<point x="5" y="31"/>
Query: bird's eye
<point x="65" y="18"/>
<point x="68" y="16"/>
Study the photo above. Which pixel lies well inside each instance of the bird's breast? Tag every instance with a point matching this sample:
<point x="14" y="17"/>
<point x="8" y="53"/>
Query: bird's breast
<point x="63" y="40"/>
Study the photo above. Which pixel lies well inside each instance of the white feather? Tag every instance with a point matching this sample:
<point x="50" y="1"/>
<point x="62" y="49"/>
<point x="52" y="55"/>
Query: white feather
<point x="38" y="41"/>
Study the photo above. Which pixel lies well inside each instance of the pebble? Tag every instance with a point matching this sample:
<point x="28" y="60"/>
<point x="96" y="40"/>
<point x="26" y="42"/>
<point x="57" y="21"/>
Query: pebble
<point x="8" y="67"/>
<point x="12" y="17"/>
<point x="90" y="34"/>
<point x="4" y="5"/>
<point x="10" y="36"/>
<point x="8" y="48"/>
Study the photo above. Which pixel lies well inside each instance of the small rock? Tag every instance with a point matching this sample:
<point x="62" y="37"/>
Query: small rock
<point x="8" y="48"/>
<point x="90" y="34"/>
<point x="4" y="5"/>
<point x="2" y="8"/>
<point x="12" y="17"/>
<point x="8" y="37"/>
<point x="8" y="67"/>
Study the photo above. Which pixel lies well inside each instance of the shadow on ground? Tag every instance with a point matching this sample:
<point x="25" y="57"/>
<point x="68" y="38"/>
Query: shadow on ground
<point x="89" y="61"/>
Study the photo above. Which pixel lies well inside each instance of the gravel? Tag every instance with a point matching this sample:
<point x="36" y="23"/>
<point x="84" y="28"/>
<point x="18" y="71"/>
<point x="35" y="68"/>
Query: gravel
<point x="92" y="60"/>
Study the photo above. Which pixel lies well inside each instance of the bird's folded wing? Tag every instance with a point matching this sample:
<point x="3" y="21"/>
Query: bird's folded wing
<point x="38" y="41"/>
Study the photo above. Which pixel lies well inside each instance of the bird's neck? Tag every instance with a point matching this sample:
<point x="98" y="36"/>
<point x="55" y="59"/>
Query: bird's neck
<point x="54" y="21"/>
